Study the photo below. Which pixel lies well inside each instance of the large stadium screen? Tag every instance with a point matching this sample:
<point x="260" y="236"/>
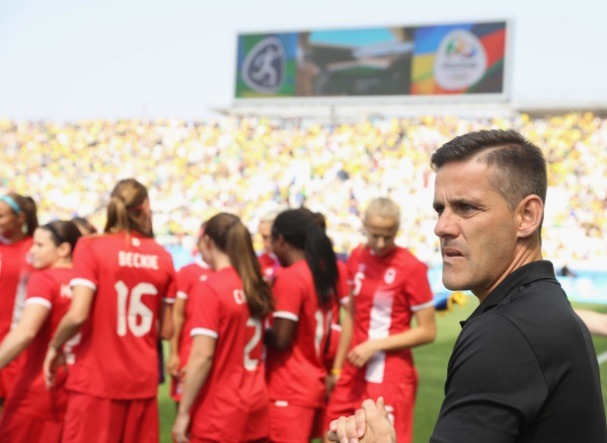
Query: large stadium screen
<point x="439" y="60"/>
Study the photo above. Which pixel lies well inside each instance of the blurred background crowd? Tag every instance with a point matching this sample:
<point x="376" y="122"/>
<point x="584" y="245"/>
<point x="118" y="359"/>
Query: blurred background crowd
<point x="253" y="165"/>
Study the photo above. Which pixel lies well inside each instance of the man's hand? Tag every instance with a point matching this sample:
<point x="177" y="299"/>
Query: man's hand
<point x="368" y="425"/>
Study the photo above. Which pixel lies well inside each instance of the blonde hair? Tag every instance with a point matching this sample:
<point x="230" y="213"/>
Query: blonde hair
<point x="383" y="207"/>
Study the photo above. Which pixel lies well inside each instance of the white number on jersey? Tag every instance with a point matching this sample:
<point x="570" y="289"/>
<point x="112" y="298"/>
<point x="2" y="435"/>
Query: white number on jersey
<point x="250" y="364"/>
<point x="358" y="282"/>
<point x="323" y="326"/>
<point x="130" y="309"/>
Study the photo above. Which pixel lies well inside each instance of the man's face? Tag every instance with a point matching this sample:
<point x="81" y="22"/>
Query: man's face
<point x="477" y="230"/>
<point x="381" y="232"/>
<point x="265" y="231"/>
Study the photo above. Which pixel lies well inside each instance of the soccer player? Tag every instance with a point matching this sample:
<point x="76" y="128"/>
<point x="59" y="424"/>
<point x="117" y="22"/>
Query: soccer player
<point x="390" y="288"/>
<point x="181" y="342"/>
<point x="34" y="413"/>
<point x="305" y="292"/>
<point x="123" y="286"/>
<point x="18" y="221"/>
<point x="267" y="259"/>
<point x="225" y="397"/>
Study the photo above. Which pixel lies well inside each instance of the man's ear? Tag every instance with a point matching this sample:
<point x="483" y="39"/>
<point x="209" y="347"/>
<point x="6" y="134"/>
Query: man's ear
<point x="530" y="213"/>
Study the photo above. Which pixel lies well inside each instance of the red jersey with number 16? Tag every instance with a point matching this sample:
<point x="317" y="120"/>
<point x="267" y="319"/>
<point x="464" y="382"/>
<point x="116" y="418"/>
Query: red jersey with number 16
<point x="297" y="375"/>
<point x="232" y="405"/>
<point x="131" y="276"/>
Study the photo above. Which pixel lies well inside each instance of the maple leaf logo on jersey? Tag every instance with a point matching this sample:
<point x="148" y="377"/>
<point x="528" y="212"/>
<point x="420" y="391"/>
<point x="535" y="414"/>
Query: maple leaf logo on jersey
<point x="389" y="276"/>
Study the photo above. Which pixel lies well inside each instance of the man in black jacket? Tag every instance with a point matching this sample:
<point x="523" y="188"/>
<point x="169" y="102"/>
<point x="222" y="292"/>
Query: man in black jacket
<point x="523" y="368"/>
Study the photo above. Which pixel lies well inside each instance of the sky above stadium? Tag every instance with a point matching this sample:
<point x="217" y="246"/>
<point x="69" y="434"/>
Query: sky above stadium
<point x="69" y="59"/>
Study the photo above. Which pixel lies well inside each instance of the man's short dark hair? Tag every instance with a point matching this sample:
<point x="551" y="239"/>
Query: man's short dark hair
<point x="520" y="167"/>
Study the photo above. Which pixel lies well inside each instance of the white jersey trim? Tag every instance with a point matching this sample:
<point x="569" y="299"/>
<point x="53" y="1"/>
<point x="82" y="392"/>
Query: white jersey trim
<point x="168" y="300"/>
<point x="38" y="301"/>
<point x="286" y="314"/>
<point x="83" y="282"/>
<point x="182" y="295"/>
<point x="204" y="331"/>
<point x="344" y="301"/>
<point x="335" y="327"/>
<point x="422" y="306"/>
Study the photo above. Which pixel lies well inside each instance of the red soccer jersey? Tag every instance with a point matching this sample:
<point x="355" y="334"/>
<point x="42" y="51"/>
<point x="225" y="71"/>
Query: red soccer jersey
<point x="269" y="264"/>
<point x="49" y="288"/>
<point x="234" y="397"/>
<point x="387" y="291"/>
<point x="131" y="276"/>
<point x="14" y="271"/>
<point x="187" y="278"/>
<point x="297" y="375"/>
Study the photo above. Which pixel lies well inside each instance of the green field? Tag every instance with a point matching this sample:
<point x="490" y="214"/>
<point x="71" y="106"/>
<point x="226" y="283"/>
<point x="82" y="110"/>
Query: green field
<point x="431" y="362"/>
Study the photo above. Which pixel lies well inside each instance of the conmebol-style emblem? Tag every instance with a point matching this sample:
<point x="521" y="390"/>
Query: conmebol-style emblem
<point x="263" y="69"/>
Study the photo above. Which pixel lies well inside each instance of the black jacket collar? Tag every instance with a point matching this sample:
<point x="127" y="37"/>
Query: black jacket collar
<point x="534" y="271"/>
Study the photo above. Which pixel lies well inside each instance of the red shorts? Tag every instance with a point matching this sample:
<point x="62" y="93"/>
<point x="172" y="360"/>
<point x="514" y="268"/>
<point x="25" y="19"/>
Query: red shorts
<point x="399" y="398"/>
<point x="291" y="423"/>
<point x="227" y="424"/>
<point x="91" y="419"/>
<point x="201" y="440"/>
<point x="18" y="427"/>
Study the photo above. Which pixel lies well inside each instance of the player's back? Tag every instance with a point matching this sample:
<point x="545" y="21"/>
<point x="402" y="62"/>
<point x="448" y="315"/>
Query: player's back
<point x="130" y="275"/>
<point x="235" y="388"/>
<point x="297" y="373"/>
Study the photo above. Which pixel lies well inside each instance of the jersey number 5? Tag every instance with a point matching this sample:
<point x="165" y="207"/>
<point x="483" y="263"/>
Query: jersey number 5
<point x="131" y="309"/>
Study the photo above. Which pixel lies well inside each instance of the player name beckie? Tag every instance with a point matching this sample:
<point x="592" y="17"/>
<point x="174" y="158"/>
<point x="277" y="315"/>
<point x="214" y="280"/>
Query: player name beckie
<point x="137" y="260"/>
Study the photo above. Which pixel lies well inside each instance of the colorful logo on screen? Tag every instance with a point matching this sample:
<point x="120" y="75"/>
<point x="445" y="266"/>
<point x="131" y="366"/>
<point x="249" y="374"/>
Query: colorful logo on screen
<point x="264" y="67"/>
<point x="460" y="61"/>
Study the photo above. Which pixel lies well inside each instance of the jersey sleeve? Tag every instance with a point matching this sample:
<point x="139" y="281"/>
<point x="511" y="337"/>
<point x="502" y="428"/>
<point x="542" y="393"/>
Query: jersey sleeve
<point x="288" y="294"/>
<point x="206" y="311"/>
<point x="183" y="283"/>
<point x="85" y="266"/>
<point x="418" y="288"/>
<point x="39" y="290"/>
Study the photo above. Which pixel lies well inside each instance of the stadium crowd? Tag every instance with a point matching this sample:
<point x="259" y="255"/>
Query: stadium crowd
<point x="124" y="282"/>
<point x="251" y="165"/>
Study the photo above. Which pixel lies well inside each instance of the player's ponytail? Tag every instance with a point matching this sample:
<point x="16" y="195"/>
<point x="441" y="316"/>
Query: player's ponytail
<point x="298" y="229"/>
<point x="126" y="206"/>
<point x="233" y="238"/>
